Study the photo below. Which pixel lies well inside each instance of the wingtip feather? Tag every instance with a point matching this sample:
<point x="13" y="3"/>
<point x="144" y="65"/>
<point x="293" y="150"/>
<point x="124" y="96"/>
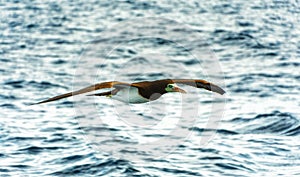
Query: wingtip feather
<point x="217" y="89"/>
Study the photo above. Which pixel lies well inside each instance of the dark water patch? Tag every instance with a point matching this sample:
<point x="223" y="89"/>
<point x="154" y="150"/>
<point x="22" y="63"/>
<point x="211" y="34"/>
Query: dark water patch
<point x="245" y="23"/>
<point x="221" y="131"/>
<point x="181" y="146"/>
<point x="267" y="75"/>
<point x="67" y="103"/>
<point x="100" y="129"/>
<point x="62" y="41"/>
<point x="247" y="78"/>
<point x="225" y="37"/>
<point x="266" y="45"/>
<point x="293" y="131"/>
<point x="271" y="54"/>
<point x="14" y="24"/>
<point x="226" y="132"/>
<point x="264" y="94"/>
<point x="288" y="64"/>
<point x="131" y="51"/>
<point x="206" y="150"/>
<point x="59" y="62"/>
<point x="37" y="149"/>
<point x="211" y="101"/>
<point x="191" y="62"/>
<point x="156" y="75"/>
<point x="97" y="168"/>
<point x="134" y="152"/>
<point x="155" y="160"/>
<point x="71" y="159"/>
<point x="156" y="135"/>
<point x="9" y="106"/>
<point x="237" y="36"/>
<point x="265" y="141"/>
<point x="227" y="9"/>
<point x="140" y="60"/>
<point x="101" y="66"/>
<point x="79" y="29"/>
<point x="273" y="127"/>
<point x="121" y="140"/>
<point x="32" y="7"/>
<point x="5" y="60"/>
<point x="178" y="172"/>
<point x="20" y="166"/>
<point x="45" y="85"/>
<point x="147" y="117"/>
<point x="102" y="40"/>
<point x="284" y="86"/>
<point x="231" y="166"/>
<point x="156" y="41"/>
<point x="130" y="170"/>
<point x="270" y="123"/>
<point x="246" y="90"/>
<point x="53" y="129"/>
<point x="18" y="84"/>
<point x="15" y="83"/>
<point x="141" y="5"/>
<point x="259" y="116"/>
<point x="212" y="158"/>
<point x="4" y="170"/>
<point x="60" y="137"/>
<point x="32" y="25"/>
<point x="20" y="138"/>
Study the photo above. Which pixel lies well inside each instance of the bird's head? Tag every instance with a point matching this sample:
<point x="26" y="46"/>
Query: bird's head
<point x="174" y="88"/>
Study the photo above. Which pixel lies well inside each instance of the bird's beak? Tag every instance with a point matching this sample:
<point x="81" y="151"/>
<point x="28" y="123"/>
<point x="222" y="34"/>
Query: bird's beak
<point x="177" y="89"/>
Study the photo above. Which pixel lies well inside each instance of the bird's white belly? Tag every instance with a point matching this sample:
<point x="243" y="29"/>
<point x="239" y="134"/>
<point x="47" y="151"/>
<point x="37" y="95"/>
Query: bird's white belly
<point x="129" y="95"/>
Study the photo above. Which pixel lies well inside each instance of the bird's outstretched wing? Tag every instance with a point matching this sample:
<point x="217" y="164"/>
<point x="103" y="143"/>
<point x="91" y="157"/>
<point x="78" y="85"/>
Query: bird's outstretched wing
<point x="200" y="84"/>
<point x="98" y="86"/>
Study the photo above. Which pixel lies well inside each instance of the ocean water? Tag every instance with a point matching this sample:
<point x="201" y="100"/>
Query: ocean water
<point x="250" y="48"/>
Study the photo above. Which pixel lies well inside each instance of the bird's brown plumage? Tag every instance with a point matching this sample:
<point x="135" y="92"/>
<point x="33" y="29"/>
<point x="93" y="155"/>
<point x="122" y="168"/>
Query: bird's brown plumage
<point x="200" y="84"/>
<point x="151" y="90"/>
<point x="87" y="89"/>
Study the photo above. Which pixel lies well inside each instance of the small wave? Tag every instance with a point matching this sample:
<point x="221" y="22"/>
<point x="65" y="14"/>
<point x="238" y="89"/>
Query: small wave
<point x="273" y="123"/>
<point x="231" y="166"/>
<point x="100" y="129"/>
<point x="20" y="166"/>
<point x="221" y="131"/>
<point x="38" y="149"/>
<point x="19" y="138"/>
<point x="178" y="172"/>
<point x="235" y="38"/>
<point x="94" y="168"/>
<point x="191" y="62"/>
<point x="288" y="64"/>
<point x="44" y="84"/>
<point x="8" y="105"/>
<point x="15" y="84"/>
<point x="59" y="62"/>
<point x="24" y="83"/>
<point x="72" y="158"/>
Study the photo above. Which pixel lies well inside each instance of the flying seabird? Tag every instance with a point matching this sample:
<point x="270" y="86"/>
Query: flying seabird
<point x="140" y="92"/>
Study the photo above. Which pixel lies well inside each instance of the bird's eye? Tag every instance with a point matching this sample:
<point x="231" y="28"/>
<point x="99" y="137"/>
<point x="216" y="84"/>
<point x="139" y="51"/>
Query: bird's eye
<point x="170" y="86"/>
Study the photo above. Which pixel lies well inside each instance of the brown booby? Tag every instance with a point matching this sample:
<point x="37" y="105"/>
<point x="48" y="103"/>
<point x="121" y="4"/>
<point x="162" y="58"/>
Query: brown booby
<point x="140" y="92"/>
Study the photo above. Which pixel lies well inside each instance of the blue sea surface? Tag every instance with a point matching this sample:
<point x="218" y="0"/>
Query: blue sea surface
<point x="51" y="47"/>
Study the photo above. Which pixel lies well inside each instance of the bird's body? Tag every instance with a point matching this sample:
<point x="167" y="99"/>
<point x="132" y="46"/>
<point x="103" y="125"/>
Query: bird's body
<point x="129" y="95"/>
<point x="140" y="92"/>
